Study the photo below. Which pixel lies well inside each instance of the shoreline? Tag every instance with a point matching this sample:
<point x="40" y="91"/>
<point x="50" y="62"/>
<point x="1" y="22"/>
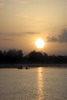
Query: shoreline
<point x="31" y="65"/>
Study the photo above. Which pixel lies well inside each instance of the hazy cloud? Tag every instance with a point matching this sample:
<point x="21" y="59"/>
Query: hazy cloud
<point x="5" y="39"/>
<point x="61" y="38"/>
<point x="29" y="1"/>
<point x="20" y="1"/>
<point x="52" y="39"/>
<point x="18" y="34"/>
<point x="31" y="32"/>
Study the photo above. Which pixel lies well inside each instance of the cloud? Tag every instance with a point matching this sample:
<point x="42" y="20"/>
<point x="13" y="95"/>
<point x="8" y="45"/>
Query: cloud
<point x="31" y="32"/>
<point x="61" y="38"/>
<point x="52" y="39"/>
<point x="29" y="1"/>
<point x="18" y="34"/>
<point x="20" y="1"/>
<point x="5" y="39"/>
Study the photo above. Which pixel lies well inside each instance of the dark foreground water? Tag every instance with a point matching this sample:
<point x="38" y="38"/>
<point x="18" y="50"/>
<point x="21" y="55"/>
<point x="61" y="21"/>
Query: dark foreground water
<point x="33" y="84"/>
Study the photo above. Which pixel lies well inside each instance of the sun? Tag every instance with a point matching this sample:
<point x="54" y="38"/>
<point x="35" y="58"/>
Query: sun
<point x="40" y="43"/>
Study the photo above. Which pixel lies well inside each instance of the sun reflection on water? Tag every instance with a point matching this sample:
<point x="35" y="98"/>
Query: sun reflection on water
<point x="40" y="84"/>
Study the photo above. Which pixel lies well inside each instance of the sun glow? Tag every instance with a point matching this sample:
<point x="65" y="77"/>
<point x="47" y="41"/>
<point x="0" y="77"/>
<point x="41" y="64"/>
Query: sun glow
<point x="40" y="43"/>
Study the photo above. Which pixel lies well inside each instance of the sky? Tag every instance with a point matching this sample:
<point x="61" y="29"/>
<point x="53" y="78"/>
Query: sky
<point x="22" y="22"/>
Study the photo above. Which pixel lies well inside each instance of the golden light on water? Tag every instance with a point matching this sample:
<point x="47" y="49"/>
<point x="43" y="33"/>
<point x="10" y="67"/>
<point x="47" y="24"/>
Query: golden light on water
<point x="40" y="43"/>
<point x="40" y="84"/>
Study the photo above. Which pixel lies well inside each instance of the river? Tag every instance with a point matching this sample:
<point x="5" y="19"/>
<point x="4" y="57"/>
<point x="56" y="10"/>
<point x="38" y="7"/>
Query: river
<point x="39" y="83"/>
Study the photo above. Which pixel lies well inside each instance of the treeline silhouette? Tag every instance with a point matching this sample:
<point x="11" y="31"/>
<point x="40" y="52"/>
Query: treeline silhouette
<point x="17" y="57"/>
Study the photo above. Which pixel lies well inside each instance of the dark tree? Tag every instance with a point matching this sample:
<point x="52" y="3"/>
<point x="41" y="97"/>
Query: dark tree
<point x="36" y="57"/>
<point x="16" y="56"/>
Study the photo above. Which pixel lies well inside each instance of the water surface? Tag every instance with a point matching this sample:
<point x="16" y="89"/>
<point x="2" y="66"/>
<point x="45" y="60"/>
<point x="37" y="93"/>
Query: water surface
<point x="33" y="84"/>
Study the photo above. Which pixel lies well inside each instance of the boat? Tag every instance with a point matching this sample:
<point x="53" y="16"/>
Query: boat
<point x="27" y="68"/>
<point x="20" y="67"/>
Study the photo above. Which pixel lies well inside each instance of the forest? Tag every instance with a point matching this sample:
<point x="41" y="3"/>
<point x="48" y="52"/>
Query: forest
<point x="17" y="57"/>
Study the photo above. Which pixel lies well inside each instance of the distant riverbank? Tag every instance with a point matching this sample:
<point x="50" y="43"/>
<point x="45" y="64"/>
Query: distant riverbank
<point x="31" y="65"/>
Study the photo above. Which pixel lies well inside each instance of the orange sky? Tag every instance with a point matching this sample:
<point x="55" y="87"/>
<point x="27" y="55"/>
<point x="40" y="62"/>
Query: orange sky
<point x="22" y="22"/>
